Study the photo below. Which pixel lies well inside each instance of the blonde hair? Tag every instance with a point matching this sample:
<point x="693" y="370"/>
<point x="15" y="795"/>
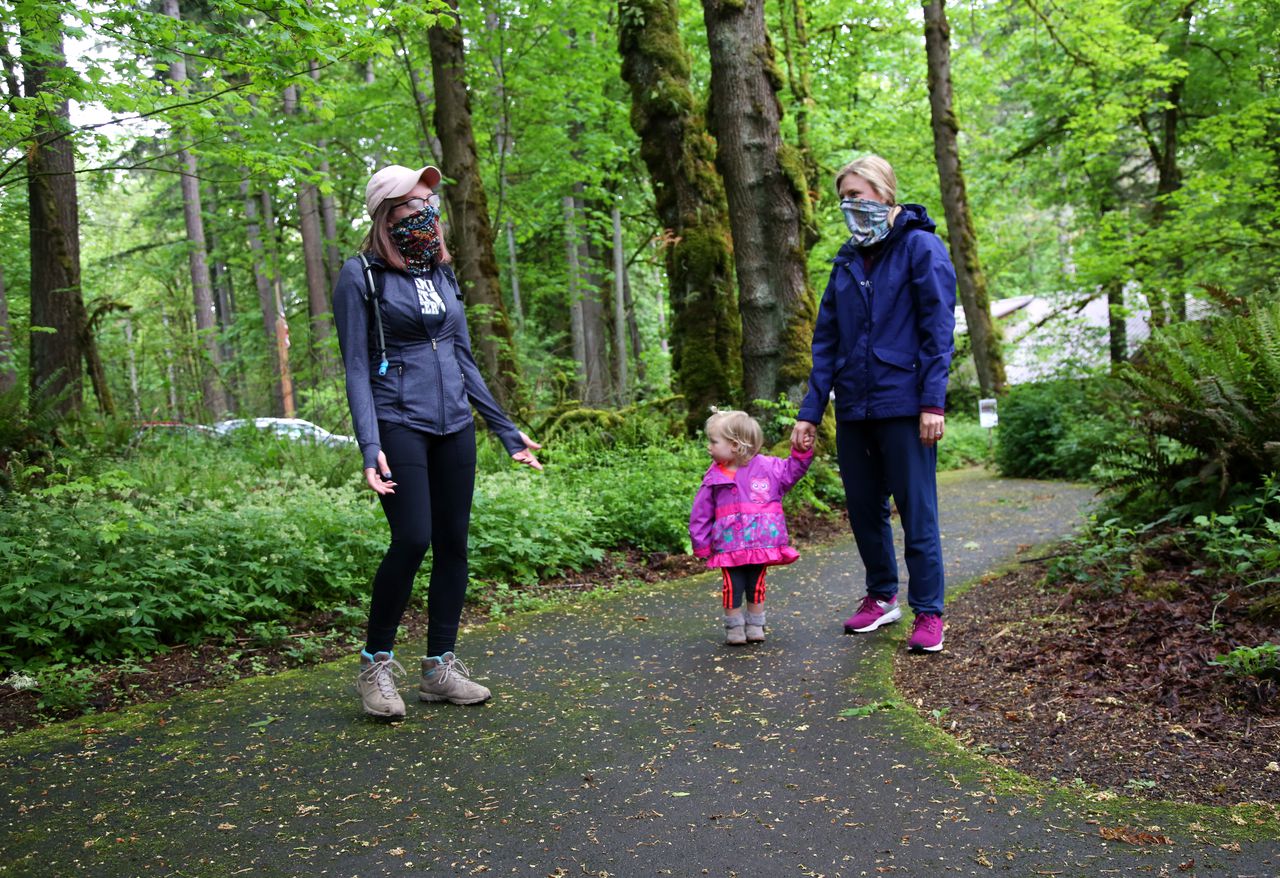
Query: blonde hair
<point x="877" y="172"/>
<point x="739" y="428"/>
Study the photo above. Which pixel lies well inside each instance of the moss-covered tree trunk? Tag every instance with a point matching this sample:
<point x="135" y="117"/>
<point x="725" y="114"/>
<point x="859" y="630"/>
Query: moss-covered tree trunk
<point x="57" y="306"/>
<point x="469" y="212"/>
<point x="768" y="200"/>
<point x="706" y="339"/>
<point x="970" y="279"/>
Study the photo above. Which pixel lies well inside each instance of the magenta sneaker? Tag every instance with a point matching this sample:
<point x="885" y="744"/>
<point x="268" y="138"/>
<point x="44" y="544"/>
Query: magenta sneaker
<point x="926" y="634"/>
<point x="872" y="614"/>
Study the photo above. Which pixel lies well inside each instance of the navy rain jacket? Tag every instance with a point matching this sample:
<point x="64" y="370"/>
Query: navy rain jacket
<point x="883" y="339"/>
<point x="432" y="381"/>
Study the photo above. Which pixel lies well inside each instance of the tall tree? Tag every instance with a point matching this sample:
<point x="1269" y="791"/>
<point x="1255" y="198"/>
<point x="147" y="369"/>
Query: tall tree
<point x="970" y="280"/>
<point x="768" y="199"/>
<point x="706" y="336"/>
<point x="272" y="313"/>
<point x="313" y="254"/>
<point x="58" y="316"/>
<point x="469" y="210"/>
<point x="619" y="310"/>
<point x="215" y="401"/>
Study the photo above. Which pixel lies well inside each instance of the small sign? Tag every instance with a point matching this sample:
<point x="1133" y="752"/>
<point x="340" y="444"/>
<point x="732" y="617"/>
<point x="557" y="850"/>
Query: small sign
<point x="987" y="417"/>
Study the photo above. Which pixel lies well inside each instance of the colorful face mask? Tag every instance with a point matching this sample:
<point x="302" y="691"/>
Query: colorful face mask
<point x="417" y="237"/>
<point x="868" y="221"/>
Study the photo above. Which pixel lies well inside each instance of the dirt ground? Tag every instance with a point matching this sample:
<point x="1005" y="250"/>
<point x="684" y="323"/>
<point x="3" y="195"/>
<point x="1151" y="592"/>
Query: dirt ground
<point x="1113" y="691"/>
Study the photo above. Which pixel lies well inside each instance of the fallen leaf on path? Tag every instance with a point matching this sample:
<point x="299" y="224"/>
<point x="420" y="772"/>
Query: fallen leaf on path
<point x="1130" y="835"/>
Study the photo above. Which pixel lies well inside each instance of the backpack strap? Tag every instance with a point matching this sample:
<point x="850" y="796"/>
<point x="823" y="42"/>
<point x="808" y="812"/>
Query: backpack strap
<point x="371" y="294"/>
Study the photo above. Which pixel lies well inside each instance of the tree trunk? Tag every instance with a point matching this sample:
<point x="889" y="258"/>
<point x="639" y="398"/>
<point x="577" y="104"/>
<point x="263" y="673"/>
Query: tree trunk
<point x="633" y="327"/>
<point x="469" y="212"/>
<point x="619" y="312"/>
<point x="706" y="336"/>
<point x="515" y="271"/>
<point x="215" y="401"/>
<point x="279" y="330"/>
<point x="796" y="48"/>
<point x="57" y="306"/>
<point x="576" y="332"/>
<point x="502" y="140"/>
<point x="134" y="387"/>
<point x="768" y="201"/>
<point x="93" y="359"/>
<point x="8" y="364"/>
<point x="595" y="330"/>
<point x="266" y="298"/>
<point x="329" y="220"/>
<point x="313" y="256"/>
<point x="1117" y="322"/>
<point x="1170" y="305"/>
<point x="970" y="280"/>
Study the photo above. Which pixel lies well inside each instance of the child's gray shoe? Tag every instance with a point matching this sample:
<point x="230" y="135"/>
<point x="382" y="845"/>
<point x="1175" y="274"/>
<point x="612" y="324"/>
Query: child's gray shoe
<point x="376" y="684"/>
<point x="444" y="678"/>
<point x="755" y="627"/>
<point x="733" y="633"/>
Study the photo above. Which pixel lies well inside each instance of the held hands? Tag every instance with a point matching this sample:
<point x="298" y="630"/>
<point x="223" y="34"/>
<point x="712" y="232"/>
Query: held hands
<point x="525" y="456"/>
<point x="931" y="428"/>
<point x="379" y="478"/>
<point x="803" y="436"/>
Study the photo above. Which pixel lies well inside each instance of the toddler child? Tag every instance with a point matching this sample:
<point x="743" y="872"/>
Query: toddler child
<point x="737" y="522"/>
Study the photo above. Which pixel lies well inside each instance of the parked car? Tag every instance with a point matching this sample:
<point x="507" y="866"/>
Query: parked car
<point x="146" y="429"/>
<point x="287" y="428"/>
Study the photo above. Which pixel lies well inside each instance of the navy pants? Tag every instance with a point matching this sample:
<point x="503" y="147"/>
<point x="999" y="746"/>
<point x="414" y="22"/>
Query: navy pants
<point x="431" y="508"/>
<point x="883" y="458"/>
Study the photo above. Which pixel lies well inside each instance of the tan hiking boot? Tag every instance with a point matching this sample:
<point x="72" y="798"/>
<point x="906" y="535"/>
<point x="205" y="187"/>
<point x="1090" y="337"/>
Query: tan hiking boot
<point x="377" y="686"/>
<point x="444" y="678"/>
<point x="733" y="633"/>
<point x="755" y="627"/>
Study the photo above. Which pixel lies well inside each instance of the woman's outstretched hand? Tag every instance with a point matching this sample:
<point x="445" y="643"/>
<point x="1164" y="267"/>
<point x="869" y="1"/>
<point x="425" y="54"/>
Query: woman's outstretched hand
<point x="931" y="428"/>
<point x="379" y="478"/>
<point x="525" y="456"/>
<point x="803" y="435"/>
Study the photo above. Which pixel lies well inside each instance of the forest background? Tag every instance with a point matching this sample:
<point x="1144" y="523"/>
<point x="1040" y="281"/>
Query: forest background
<point x="640" y="198"/>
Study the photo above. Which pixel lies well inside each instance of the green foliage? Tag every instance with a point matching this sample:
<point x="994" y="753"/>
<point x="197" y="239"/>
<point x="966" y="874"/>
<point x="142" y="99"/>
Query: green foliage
<point x="966" y="444"/>
<point x="525" y="529"/>
<point x="1208" y="394"/>
<point x="122" y="548"/>
<point x="1258" y="661"/>
<point x="1056" y="429"/>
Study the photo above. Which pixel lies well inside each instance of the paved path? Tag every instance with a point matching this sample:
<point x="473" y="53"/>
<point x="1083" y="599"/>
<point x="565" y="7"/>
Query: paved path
<point x="624" y="740"/>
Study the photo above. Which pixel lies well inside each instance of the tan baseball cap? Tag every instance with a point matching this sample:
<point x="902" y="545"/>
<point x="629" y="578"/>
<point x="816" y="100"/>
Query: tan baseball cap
<point x="396" y="180"/>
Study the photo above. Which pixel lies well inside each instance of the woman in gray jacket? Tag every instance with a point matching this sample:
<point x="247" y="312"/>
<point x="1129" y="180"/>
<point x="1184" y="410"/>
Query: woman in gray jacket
<point x="411" y="384"/>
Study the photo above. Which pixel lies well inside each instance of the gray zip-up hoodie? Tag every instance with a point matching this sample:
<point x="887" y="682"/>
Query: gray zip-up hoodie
<point x="432" y="379"/>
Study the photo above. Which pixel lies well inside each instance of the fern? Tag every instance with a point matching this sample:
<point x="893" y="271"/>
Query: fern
<point x="1213" y="387"/>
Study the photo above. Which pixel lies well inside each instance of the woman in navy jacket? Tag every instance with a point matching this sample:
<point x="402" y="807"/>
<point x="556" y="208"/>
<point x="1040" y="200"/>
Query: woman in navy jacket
<point x="411" y="383"/>
<point x="882" y="349"/>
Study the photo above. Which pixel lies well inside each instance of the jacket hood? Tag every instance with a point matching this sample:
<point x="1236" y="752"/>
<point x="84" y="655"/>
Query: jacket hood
<point x="913" y="216"/>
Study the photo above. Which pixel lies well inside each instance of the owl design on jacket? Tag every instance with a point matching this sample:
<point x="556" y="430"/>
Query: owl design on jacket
<point x="760" y="490"/>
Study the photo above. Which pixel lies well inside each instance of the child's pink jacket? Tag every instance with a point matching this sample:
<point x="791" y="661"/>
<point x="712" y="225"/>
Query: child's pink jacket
<point x="739" y="520"/>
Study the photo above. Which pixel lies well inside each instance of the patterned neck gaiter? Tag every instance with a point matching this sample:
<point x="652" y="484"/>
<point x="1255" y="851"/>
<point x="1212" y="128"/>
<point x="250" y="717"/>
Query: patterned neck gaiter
<point x="417" y="237"/>
<point x="868" y="221"/>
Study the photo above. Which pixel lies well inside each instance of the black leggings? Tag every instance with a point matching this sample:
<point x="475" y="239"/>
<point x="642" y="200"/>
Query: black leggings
<point x="435" y="477"/>
<point x="746" y="580"/>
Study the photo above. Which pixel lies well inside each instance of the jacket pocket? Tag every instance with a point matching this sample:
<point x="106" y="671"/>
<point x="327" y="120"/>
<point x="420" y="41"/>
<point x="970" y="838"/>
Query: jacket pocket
<point x="896" y="373"/>
<point x="388" y="389"/>
<point x="896" y="358"/>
